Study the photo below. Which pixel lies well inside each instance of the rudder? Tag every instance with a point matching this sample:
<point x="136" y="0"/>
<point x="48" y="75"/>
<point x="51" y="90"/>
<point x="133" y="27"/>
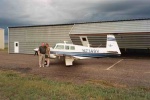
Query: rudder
<point x="112" y="45"/>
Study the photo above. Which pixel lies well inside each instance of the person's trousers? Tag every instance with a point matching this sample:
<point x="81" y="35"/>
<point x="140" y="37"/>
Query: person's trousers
<point x="41" y="60"/>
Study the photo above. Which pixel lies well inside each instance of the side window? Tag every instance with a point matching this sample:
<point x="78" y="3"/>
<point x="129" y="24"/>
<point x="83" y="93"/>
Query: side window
<point x="72" y="48"/>
<point x="67" y="47"/>
<point x="16" y="44"/>
<point x="60" y="47"/>
<point x="83" y="39"/>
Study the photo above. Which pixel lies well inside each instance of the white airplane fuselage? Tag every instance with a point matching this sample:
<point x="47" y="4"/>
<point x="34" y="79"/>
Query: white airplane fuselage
<point x="81" y="52"/>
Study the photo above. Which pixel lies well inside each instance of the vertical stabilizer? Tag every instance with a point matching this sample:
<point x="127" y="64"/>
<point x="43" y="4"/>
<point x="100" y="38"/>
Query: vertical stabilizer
<point x="112" y="45"/>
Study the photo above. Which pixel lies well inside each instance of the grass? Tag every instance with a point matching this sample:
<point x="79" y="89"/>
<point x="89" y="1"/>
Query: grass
<point x="17" y="86"/>
<point x="5" y="49"/>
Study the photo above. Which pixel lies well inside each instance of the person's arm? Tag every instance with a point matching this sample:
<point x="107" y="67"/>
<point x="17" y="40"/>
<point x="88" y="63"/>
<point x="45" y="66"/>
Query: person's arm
<point x="49" y="52"/>
<point x="39" y="51"/>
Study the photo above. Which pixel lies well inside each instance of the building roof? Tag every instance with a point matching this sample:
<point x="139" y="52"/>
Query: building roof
<point x="111" y="27"/>
<point x="80" y="23"/>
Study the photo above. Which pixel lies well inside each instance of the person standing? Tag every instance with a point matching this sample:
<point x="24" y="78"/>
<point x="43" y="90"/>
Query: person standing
<point x="41" y="53"/>
<point x="47" y="55"/>
<point x="36" y="51"/>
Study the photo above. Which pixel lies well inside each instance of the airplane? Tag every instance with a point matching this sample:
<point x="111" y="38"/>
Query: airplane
<point x="71" y="52"/>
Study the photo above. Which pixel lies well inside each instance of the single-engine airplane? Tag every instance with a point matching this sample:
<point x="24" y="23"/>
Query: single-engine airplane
<point x="71" y="52"/>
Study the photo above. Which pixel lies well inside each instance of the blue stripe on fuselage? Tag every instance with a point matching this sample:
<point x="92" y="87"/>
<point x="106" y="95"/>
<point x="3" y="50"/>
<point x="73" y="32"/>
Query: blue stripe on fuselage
<point x="85" y="54"/>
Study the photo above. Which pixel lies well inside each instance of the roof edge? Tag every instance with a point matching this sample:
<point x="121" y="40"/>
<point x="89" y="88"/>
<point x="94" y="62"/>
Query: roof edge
<point x="80" y="23"/>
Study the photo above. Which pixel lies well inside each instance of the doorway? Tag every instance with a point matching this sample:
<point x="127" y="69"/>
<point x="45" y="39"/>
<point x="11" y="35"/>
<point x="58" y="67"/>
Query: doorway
<point x="16" y="47"/>
<point x="84" y="41"/>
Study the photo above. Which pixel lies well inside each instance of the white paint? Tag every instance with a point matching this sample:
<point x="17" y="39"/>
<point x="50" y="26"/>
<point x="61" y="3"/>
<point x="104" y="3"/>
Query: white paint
<point x="114" y="64"/>
<point x="84" y="41"/>
<point x="69" y="61"/>
<point x="16" y="47"/>
<point x="112" y="44"/>
<point x="2" y="40"/>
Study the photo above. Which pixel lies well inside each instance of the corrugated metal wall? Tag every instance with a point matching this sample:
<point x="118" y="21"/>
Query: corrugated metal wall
<point x="112" y="27"/>
<point x="32" y="37"/>
<point x="134" y="41"/>
<point x="130" y="34"/>
<point x="130" y="41"/>
<point x="95" y="41"/>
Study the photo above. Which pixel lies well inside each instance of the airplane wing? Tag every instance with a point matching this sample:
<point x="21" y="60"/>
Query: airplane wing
<point x="79" y="57"/>
<point x="69" y="59"/>
<point x="53" y="56"/>
<point x="36" y="49"/>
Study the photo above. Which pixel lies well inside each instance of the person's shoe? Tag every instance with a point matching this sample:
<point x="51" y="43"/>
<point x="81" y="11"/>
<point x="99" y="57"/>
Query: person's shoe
<point x="47" y="65"/>
<point x="39" y="66"/>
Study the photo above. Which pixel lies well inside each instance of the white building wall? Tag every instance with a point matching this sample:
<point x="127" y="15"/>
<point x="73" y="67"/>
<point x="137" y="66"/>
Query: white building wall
<point x="2" y="43"/>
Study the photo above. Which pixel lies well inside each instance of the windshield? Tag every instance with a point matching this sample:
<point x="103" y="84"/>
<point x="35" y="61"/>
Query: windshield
<point x="59" y="47"/>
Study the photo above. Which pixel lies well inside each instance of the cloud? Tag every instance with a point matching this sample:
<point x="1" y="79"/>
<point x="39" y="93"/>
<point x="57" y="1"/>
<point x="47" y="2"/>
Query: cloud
<point x="36" y="12"/>
<point x="41" y="12"/>
<point x="120" y="10"/>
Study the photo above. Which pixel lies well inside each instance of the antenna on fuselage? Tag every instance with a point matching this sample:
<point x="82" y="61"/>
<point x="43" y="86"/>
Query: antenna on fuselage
<point x="89" y="45"/>
<point x="65" y="42"/>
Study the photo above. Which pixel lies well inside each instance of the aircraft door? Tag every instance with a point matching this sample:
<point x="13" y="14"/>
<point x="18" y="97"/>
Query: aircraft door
<point x="16" y="47"/>
<point x="84" y="41"/>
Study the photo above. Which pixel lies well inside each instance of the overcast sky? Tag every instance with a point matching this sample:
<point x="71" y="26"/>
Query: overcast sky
<point x="41" y="12"/>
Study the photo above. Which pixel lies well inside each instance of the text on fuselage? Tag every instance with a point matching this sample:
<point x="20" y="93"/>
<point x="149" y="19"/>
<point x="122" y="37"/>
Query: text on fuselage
<point x="90" y="50"/>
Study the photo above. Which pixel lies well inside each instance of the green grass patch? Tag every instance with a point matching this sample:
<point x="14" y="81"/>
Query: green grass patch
<point x="17" y="86"/>
<point x="5" y="49"/>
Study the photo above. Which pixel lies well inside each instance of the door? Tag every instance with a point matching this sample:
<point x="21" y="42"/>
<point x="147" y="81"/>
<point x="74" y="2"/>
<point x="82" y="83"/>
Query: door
<point x="16" y="47"/>
<point x="84" y="41"/>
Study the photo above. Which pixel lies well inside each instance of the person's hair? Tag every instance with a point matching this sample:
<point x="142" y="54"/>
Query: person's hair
<point x="47" y="44"/>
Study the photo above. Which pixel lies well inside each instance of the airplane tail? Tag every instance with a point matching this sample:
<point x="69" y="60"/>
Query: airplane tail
<point x="112" y="45"/>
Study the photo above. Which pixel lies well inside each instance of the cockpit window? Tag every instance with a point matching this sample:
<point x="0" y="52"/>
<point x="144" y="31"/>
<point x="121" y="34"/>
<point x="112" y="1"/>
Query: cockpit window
<point x="59" y="47"/>
<point x="72" y="48"/>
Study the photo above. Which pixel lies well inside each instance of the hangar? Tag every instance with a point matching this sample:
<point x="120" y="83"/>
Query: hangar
<point x="130" y="34"/>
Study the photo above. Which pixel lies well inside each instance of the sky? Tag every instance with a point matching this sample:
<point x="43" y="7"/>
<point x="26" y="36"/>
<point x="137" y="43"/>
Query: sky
<point x="47" y="12"/>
